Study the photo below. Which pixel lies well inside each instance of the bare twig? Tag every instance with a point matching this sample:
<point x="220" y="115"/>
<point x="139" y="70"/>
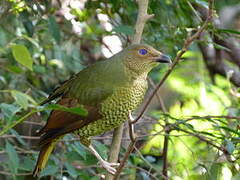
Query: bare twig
<point x="142" y="18"/>
<point x="10" y="173"/>
<point x="115" y="147"/>
<point x="23" y="137"/>
<point x="186" y="44"/>
<point x="165" y="153"/>
<point x="204" y="139"/>
<point x="125" y="158"/>
<point x="130" y="147"/>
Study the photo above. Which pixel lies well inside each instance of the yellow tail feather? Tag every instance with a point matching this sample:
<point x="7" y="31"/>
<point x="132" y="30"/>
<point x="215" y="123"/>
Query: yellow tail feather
<point x="43" y="156"/>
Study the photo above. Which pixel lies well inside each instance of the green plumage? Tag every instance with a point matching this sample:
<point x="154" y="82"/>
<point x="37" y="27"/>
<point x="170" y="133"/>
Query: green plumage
<point x="109" y="90"/>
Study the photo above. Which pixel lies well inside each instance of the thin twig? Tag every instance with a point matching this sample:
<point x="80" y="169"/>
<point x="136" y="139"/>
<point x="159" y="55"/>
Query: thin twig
<point x="23" y="137"/>
<point x="186" y="45"/>
<point x="142" y="18"/>
<point x="125" y="158"/>
<point x="165" y="153"/>
<point x="203" y="138"/>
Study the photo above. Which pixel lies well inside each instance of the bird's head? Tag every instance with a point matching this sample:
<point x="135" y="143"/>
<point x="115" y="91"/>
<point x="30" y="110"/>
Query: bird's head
<point x="141" y="58"/>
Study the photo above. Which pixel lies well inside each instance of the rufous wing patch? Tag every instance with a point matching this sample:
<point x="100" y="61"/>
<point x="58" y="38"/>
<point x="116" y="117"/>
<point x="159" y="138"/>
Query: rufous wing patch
<point x="62" y="122"/>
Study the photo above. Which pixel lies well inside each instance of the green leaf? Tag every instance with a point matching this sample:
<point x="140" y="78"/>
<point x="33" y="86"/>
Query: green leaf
<point x="33" y="41"/>
<point x="229" y="130"/>
<point x="22" y="55"/>
<point x="128" y="30"/>
<point x="229" y="31"/>
<point x="21" y="119"/>
<point x="15" y="69"/>
<point x="101" y="149"/>
<point x="54" y="28"/>
<point x="75" y="110"/>
<point x="13" y="157"/>
<point x="95" y="178"/>
<point x="9" y="110"/>
<point x="18" y="137"/>
<point x="214" y="172"/>
<point x="80" y="150"/>
<point x="71" y="170"/>
<point x="27" y="164"/>
<point x="49" y="170"/>
<point x="20" y="98"/>
<point x="217" y="46"/>
<point x="39" y="69"/>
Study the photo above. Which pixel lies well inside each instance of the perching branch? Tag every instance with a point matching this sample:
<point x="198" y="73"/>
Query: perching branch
<point x="115" y="147"/>
<point x="116" y="141"/>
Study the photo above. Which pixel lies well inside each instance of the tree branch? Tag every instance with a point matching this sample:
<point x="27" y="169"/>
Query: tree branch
<point x="217" y="66"/>
<point x="186" y="45"/>
<point x="210" y="53"/>
<point x="115" y="147"/>
<point x="143" y="16"/>
<point x="116" y="141"/>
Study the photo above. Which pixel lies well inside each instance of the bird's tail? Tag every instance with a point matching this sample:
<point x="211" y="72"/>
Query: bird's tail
<point x="43" y="156"/>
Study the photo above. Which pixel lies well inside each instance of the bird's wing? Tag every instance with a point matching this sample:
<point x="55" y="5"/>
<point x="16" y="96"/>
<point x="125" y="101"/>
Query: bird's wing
<point x="91" y="85"/>
<point x="62" y="122"/>
<point x="87" y="88"/>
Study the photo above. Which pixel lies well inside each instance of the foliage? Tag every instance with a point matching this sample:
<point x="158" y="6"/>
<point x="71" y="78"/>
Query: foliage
<point x="43" y="43"/>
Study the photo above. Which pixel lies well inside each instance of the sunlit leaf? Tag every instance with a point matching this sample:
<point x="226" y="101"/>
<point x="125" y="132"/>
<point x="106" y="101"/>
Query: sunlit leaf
<point x="20" y="98"/>
<point x="22" y="55"/>
<point x="9" y="110"/>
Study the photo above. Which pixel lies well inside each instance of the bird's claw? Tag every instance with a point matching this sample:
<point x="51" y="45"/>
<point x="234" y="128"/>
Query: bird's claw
<point x="109" y="166"/>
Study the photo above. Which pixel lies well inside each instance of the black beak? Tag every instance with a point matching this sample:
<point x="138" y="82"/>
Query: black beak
<point x="163" y="59"/>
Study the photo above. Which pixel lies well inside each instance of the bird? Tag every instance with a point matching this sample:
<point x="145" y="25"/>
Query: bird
<point x="110" y="90"/>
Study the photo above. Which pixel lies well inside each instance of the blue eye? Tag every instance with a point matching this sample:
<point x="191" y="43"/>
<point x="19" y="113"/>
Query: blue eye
<point x="142" y="51"/>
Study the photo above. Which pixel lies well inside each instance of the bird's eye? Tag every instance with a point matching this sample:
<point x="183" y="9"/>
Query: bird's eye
<point x="142" y="51"/>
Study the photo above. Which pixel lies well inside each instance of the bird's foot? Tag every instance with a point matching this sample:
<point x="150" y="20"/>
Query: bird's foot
<point x="109" y="166"/>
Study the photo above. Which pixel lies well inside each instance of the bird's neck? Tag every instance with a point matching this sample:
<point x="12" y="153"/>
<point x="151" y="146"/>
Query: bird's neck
<point x="134" y="74"/>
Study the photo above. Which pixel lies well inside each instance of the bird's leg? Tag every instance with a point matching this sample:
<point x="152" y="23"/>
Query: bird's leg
<point x="106" y="165"/>
<point x="131" y="126"/>
<point x="131" y="118"/>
